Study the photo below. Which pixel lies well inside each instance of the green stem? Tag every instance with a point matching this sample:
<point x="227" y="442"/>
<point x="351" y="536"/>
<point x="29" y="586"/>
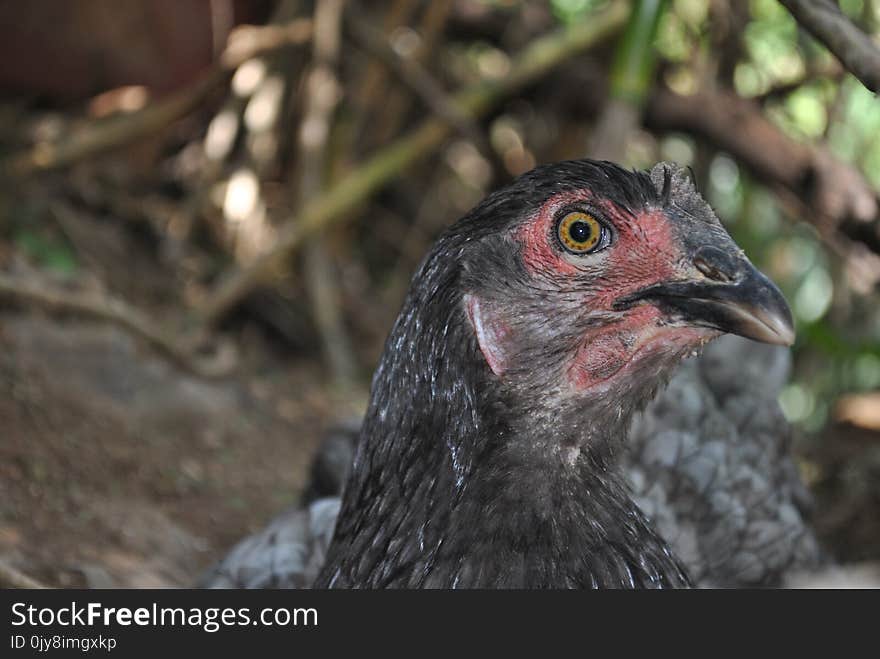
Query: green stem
<point x="635" y="59"/>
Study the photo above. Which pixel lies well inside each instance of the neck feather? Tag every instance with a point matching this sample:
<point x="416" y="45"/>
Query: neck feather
<point x="461" y="480"/>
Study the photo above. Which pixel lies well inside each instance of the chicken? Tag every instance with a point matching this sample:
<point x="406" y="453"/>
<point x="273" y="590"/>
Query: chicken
<point x="533" y="332"/>
<point x="709" y="463"/>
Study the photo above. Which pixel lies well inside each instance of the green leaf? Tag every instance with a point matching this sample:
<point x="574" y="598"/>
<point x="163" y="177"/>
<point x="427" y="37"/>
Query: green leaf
<point x="48" y="252"/>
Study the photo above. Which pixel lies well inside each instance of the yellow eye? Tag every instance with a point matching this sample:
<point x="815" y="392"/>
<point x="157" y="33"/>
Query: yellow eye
<point x="580" y="232"/>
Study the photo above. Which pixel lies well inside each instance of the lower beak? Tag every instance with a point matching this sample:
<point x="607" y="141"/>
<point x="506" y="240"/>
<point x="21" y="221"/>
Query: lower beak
<point x="749" y="305"/>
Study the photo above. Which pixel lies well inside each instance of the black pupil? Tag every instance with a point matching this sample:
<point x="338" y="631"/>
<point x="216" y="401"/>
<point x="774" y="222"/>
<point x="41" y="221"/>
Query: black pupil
<point x="580" y="232"/>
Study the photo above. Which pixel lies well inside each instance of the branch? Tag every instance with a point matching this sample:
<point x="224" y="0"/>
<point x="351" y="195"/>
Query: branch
<point x="321" y="91"/>
<point x="833" y="72"/>
<point x="837" y="194"/>
<point x="110" y="133"/>
<point x="412" y="74"/>
<point x="855" y="49"/>
<point x="372" y="90"/>
<point x="115" y="311"/>
<point x="340" y="200"/>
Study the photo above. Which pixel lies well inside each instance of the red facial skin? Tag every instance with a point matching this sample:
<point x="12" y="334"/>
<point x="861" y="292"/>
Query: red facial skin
<point x="615" y="349"/>
<point x="643" y="253"/>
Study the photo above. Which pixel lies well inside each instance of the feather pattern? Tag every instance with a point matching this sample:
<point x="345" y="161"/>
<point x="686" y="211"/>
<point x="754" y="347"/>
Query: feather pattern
<point x="464" y="478"/>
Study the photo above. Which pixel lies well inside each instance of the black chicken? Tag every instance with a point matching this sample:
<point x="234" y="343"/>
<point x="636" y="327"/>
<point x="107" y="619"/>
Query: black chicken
<point x="708" y="462"/>
<point x="533" y="331"/>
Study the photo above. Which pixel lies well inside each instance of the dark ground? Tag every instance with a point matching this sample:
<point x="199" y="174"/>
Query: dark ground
<point x="117" y="470"/>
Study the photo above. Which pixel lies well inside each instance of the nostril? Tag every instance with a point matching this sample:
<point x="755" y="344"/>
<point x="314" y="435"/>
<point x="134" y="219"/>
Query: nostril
<point x="711" y="271"/>
<point x="715" y="264"/>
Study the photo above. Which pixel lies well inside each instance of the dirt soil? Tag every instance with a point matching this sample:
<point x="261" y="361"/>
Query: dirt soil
<point x="118" y="470"/>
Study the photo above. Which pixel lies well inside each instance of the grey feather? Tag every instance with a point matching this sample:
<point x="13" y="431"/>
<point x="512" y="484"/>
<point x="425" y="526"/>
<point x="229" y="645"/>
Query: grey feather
<point x="710" y="465"/>
<point x="288" y="553"/>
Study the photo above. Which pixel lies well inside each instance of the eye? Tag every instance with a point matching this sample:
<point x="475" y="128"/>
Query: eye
<point x="581" y="233"/>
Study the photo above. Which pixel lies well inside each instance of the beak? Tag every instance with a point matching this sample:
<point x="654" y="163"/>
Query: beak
<point x="734" y="297"/>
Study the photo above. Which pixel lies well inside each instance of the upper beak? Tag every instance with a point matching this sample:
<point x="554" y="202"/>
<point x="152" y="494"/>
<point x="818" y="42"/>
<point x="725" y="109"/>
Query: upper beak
<point x="733" y="297"/>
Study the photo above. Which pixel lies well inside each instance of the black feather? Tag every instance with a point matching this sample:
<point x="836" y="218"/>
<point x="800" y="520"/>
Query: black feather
<point x="457" y="479"/>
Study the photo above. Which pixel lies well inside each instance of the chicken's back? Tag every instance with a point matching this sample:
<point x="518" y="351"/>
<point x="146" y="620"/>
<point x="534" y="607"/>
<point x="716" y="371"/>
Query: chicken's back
<point x="710" y="464"/>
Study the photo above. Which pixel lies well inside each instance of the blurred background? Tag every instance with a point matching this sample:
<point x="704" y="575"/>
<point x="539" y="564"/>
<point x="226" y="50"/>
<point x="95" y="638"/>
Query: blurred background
<point x="210" y="211"/>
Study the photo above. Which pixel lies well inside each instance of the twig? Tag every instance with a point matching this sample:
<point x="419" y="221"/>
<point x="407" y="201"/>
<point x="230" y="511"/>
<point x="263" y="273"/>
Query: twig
<point x="119" y="313"/>
<point x="389" y="112"/>
<point x="10" y="577"/>
<point x="834" y="72"/>
<point x="371" y="91"/>
<point x="347" y="194"/>
<point x="420" y="81"/>
<point x="855" y="49"/>
<point x="321" y="280"/>
<point x="106" y="134"/>
<point x="415" y="76"/>
<point x="431" y="26"/>
<point x="249" y="41"/>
